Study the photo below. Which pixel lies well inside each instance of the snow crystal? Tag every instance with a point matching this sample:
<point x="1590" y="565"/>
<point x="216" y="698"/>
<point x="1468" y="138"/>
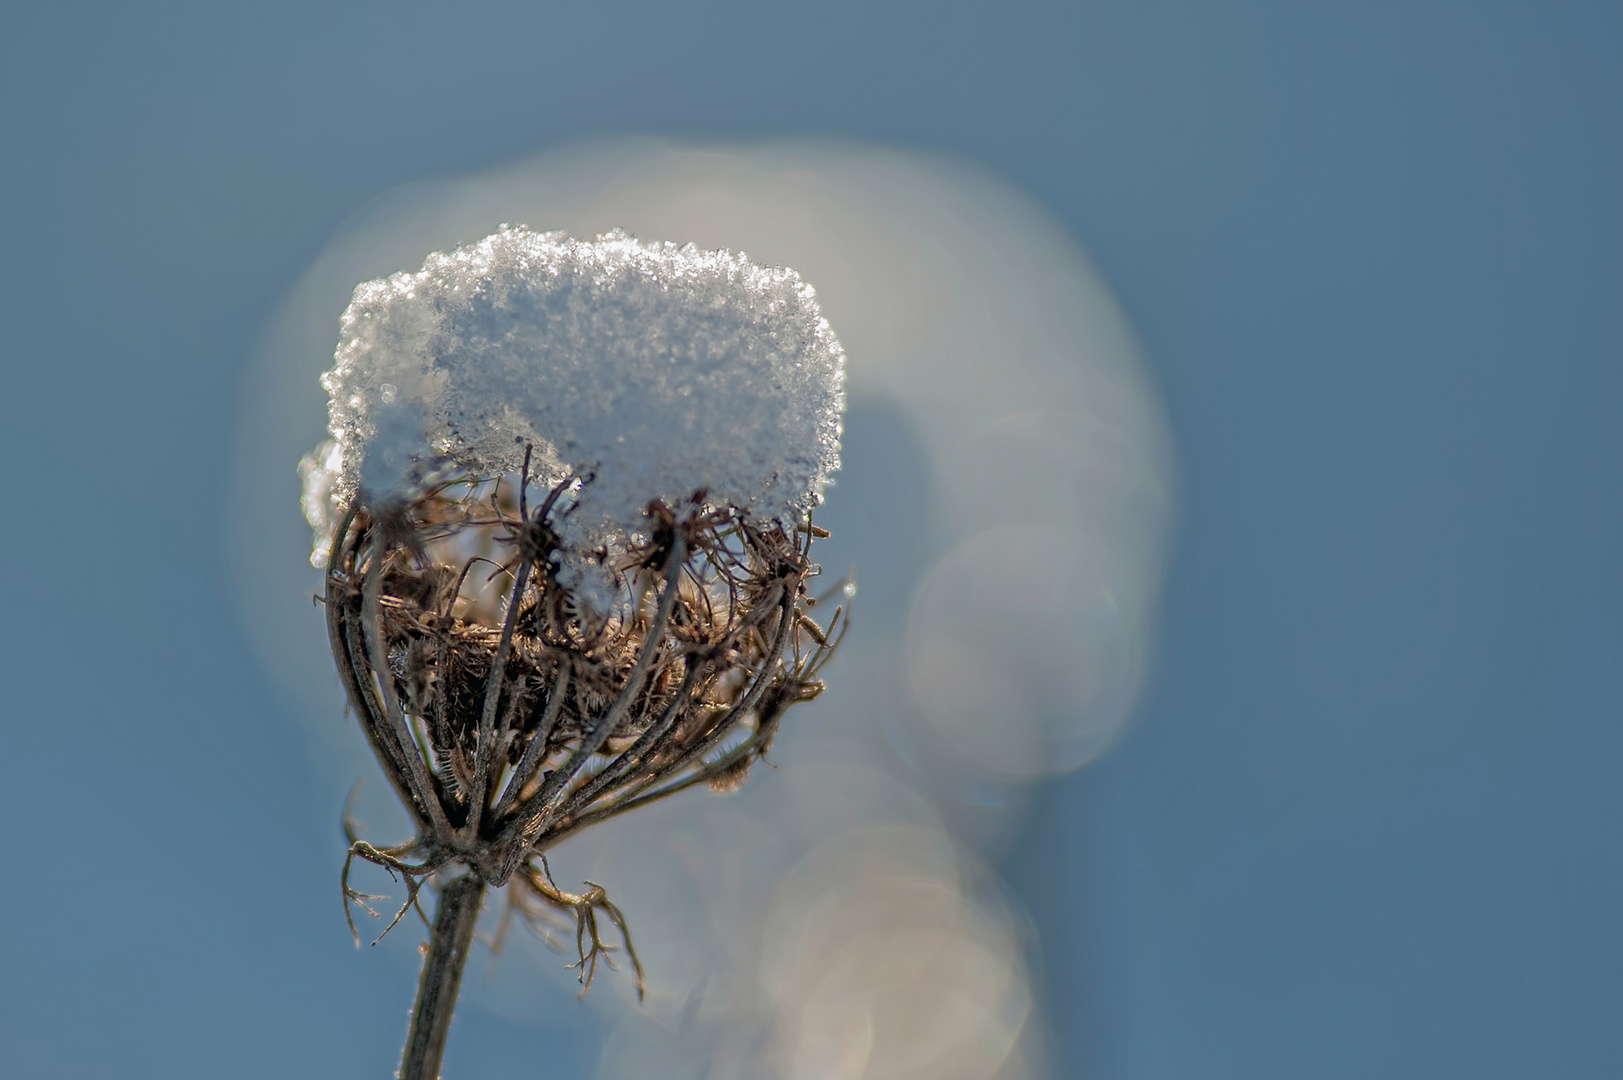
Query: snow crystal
<point x="650" y="371"/>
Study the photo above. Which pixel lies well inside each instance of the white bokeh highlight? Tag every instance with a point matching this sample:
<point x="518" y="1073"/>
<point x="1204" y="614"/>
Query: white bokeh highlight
<point x="833" y="919"/>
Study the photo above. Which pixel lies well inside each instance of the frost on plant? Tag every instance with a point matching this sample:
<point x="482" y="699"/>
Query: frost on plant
<point x="566" y="523"/>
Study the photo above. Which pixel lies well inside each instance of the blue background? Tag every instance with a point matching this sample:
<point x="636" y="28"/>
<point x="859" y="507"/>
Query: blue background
<point x="1369" y="821"/>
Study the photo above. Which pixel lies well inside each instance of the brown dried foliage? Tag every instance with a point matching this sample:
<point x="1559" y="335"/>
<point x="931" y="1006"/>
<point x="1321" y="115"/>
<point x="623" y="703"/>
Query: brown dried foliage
<point x="508" y="716"/>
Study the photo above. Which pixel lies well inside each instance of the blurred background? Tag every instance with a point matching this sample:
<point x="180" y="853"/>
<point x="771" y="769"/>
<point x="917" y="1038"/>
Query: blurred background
<point x="1287" y="341"/>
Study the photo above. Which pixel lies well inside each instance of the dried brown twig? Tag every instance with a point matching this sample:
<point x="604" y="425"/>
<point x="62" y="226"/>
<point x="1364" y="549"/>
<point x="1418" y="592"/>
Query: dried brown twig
<point x="510" y="716"/>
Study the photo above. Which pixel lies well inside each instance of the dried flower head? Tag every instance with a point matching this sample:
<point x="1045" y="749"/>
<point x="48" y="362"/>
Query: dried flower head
<point x="566" y="523"/>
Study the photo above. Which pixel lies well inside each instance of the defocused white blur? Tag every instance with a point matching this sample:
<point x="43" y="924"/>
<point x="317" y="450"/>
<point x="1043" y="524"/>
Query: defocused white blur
<point x="832" y="920"/>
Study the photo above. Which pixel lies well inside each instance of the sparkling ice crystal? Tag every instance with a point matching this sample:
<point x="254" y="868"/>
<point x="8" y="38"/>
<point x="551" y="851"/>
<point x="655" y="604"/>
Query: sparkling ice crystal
<point x="650" y="371"/>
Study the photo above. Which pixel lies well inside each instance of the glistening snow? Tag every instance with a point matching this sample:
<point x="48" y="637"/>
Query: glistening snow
<point x="650" y="371"/>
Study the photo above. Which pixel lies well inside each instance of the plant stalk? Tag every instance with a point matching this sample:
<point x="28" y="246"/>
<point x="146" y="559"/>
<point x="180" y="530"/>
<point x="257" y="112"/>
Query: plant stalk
<point x="441" y="978"/>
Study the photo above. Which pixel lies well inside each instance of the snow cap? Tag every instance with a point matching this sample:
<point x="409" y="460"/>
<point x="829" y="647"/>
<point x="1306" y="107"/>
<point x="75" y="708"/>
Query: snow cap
<point x="651" y="371"/>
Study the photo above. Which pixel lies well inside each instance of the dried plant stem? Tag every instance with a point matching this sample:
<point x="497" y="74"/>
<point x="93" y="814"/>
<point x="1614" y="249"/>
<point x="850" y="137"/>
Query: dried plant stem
<point x="441" y="978"/>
